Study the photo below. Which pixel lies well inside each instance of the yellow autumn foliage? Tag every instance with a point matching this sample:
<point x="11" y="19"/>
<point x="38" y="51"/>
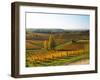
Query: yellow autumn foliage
<point x="53" y="55"/>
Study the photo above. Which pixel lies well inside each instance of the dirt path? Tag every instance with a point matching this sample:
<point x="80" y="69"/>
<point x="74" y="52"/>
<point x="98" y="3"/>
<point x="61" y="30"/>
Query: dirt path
<point x="84" y="61"/>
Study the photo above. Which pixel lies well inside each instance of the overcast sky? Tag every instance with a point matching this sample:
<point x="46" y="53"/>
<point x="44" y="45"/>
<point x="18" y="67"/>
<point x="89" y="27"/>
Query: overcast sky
<point x="57" y="21"/>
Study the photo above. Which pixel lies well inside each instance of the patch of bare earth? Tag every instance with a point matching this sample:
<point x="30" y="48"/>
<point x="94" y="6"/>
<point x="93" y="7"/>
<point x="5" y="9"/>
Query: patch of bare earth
<point x="83" y="61"/>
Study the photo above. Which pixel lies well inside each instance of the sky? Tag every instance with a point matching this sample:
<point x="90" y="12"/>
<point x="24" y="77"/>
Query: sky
<point x="57" y="21"/>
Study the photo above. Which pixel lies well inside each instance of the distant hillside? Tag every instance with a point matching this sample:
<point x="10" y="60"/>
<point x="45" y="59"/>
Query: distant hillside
<point x="30" y="30"/>
<point x="43" y="34"/>
<point x="45" y="30"/>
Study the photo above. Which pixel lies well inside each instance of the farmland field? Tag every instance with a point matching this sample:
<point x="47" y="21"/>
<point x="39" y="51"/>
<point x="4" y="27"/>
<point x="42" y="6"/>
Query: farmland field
<point x="56" y="47"/>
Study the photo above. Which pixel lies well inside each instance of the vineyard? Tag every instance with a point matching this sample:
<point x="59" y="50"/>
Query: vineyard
<point x="53" y="52"/>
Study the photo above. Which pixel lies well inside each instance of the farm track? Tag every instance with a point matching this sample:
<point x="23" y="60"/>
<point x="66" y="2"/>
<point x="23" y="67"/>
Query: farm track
<point x="80" y="62"/>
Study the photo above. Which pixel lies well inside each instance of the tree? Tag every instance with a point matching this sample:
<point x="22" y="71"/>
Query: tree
<point x="73" y="41"/>
<point x="46" y="44"/>
<point x="51" y="43"/>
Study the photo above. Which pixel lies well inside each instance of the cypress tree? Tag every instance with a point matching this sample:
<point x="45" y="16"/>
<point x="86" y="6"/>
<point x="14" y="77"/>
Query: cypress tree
<point x="51" y="43"/>
<point x="45" y="44"/>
